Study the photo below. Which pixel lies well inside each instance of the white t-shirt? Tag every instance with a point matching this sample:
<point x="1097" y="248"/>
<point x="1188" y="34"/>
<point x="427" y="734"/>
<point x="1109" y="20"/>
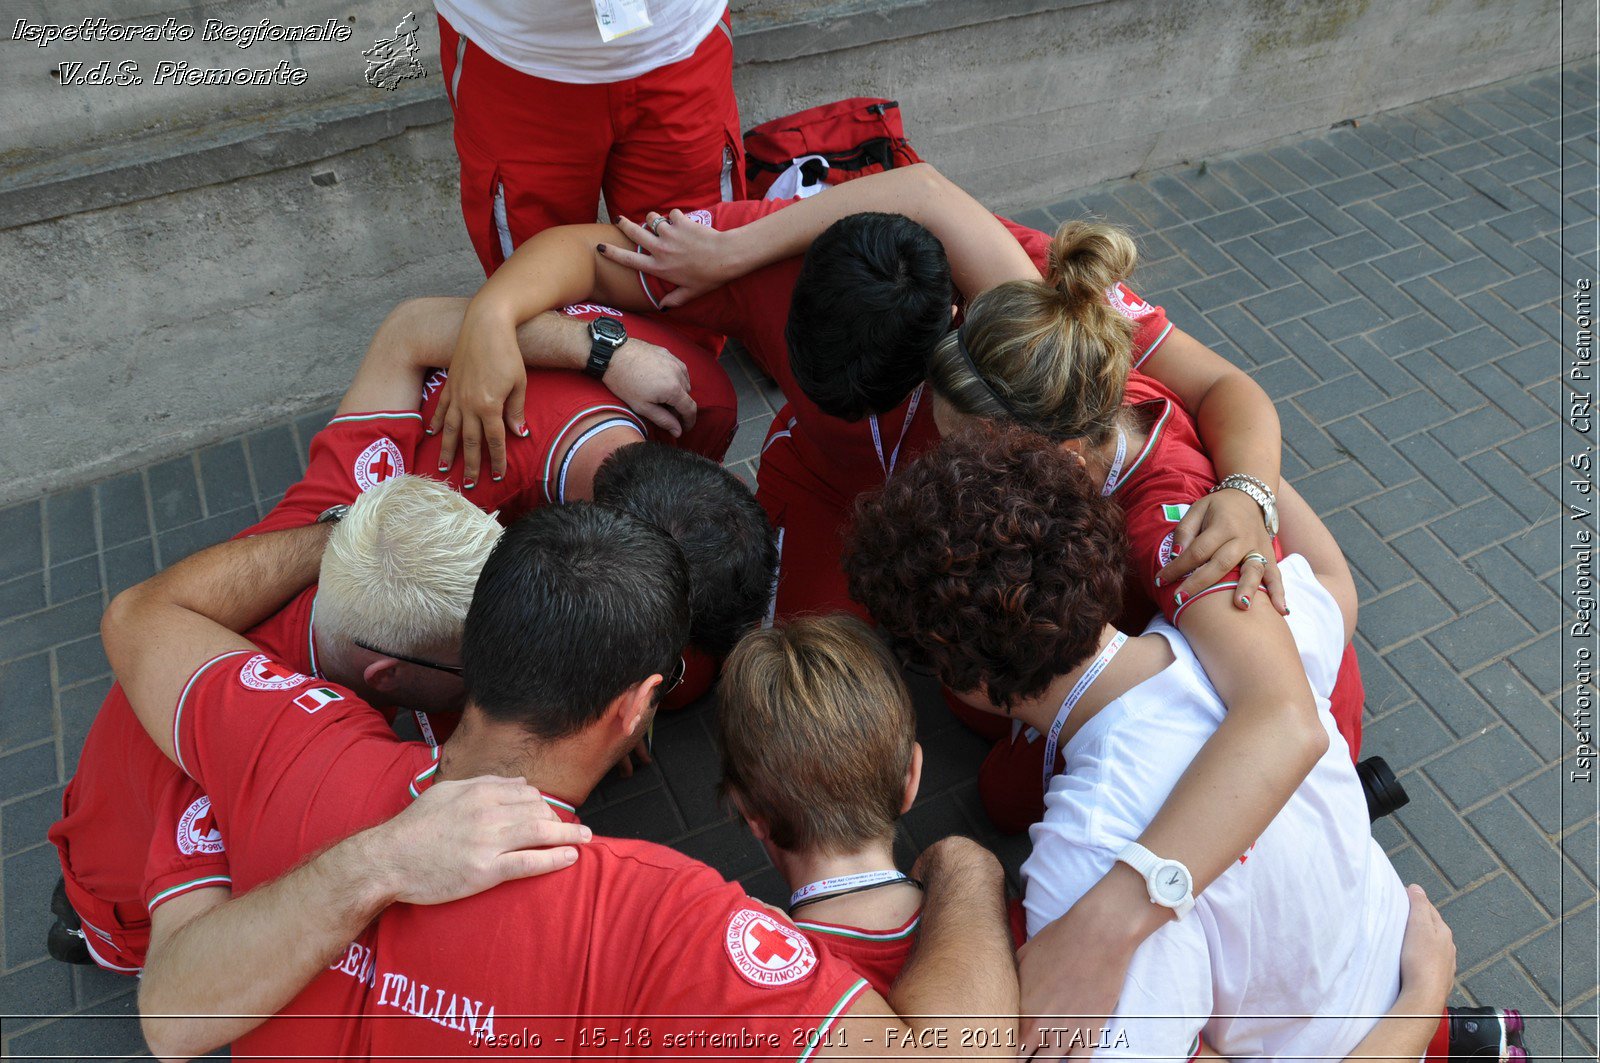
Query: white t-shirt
<point x="1296" y="949"/>
<point x="560" y="40"/>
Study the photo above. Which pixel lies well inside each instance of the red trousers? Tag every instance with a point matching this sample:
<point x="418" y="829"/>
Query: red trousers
<point x="537" y="153"/>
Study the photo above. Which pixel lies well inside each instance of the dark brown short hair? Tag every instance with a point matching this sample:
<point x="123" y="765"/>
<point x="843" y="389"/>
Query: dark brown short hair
<point x="992" y="561"/>
<point x="816" y="729"/>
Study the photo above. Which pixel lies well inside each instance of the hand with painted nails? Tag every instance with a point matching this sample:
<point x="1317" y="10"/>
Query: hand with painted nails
<point x="483" y="398"/>
<point x="695" y="258"/>
<point x="1216" y="536"/>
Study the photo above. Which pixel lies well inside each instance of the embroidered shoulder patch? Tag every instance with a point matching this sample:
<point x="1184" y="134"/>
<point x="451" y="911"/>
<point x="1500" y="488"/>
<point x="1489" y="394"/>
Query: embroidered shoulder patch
<point x="767" y="952"/>
<point x="198" y="831"/>
<point x="380" y="461"/>
<point x="263" y="673"/>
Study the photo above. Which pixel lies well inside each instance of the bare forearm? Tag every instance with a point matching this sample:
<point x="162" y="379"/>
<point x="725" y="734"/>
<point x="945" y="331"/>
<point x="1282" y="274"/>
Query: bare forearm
<point x="982" y="252"/>
<point x="220" y="974"/>
<point x="963" y="963"/>
<point x="556" y="267"/>
<point x="1403" y="1035"/>
<point x="1239" y="428"/>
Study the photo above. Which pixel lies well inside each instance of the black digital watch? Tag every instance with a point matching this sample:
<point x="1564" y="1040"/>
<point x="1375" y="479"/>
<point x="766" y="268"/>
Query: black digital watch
<point x="606" y="334"/>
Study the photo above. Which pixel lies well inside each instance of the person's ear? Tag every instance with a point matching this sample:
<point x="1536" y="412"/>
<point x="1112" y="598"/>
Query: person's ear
<point x="913" y="779"/>
<point x="382" y="674"/>
<point x="1072" y="449"/>
<point x="634" y="706"/>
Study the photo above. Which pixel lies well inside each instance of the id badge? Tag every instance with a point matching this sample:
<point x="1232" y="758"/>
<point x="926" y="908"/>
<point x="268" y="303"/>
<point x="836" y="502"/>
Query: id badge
<point x="618" y="18"/>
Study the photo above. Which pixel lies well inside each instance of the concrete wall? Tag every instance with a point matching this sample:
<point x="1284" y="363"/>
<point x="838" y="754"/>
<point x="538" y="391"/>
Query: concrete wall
<point x="175" y="274"/>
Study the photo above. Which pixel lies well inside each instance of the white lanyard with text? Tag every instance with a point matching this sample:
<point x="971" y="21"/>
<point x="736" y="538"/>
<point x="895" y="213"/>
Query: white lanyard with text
<point x="1071" y="701"/>
<point x="1114" y="477"/>
<point x="829" y="887"/>
<point x="905" y="426"/>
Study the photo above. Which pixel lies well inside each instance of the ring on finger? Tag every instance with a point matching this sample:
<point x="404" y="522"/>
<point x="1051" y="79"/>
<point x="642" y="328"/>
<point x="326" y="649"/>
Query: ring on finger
<point x="1260" y="559"/>
<point x="654" y="225"/>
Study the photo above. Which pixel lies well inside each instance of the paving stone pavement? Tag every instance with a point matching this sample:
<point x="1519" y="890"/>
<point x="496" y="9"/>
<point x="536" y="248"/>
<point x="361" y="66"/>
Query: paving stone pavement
<point x="1396" y="286"/>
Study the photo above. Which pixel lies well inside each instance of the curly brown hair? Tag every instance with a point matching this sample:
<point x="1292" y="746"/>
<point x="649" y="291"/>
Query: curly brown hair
<point x="992" y="561"/>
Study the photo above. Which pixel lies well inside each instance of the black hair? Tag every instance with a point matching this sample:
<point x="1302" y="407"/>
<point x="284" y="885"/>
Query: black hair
<point x="871" y="302"/>
<point x="576" y="604"/>
<point x="716" y="522"/>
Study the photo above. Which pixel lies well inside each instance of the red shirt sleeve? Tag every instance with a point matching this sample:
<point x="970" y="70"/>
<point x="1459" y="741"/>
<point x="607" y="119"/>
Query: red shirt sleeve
<point x="187" y="851"/>
<point x="354" y="453"/>
<point x="720" y="310"/>
<point x="287" y="760"/>
<point x="729" y="964"/>
<point x="1150" y="324"/>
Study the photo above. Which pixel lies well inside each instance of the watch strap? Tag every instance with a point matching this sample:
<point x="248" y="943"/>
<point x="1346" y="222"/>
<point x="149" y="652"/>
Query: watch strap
<point x="1146" y="862"/>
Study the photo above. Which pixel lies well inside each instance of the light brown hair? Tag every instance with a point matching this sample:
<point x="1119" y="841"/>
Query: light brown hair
<point x="1053" y="357"/>
<point x="816" y="731"/>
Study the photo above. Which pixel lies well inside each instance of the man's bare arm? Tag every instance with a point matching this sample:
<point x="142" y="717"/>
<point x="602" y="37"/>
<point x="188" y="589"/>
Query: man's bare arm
<point x="159" y="632"/>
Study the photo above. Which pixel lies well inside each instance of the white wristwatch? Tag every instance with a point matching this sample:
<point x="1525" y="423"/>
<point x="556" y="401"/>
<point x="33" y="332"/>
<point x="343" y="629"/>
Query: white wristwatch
<point x="1168" y="881"/>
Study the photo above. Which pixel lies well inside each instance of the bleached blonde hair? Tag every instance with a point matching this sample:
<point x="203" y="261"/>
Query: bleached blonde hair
<point x="399" y="570"/>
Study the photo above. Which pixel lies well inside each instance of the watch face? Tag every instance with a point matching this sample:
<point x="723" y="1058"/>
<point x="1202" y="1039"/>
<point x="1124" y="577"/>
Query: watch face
<point x="1171" y="883"/>
<point x="608" y="329"/>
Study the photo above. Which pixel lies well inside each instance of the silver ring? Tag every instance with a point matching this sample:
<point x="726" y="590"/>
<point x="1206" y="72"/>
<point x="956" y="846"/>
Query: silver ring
<point x="655" y="225"/>
<point x="1260" y="558"/>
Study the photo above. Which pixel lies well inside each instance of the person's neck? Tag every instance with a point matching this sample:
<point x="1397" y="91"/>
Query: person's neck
<point x="885" y="908"/>
<point x="566" y="769"/>
<point x="1099" y="458"/>
<point x="1039" y="712"/>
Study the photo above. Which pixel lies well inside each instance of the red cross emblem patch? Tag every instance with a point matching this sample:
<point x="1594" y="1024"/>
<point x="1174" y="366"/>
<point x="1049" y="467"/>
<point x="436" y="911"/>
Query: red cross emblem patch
<point x="766" y="951"/>
<point x="197" y="830"/>
<point x="379" y="462"/>
<point x="263" y="673"/>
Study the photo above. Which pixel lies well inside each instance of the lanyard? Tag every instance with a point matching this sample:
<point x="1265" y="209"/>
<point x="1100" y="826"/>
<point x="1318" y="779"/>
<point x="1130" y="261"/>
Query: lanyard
<point x="1071" y="701"/>
<point x="832" y="887"/>
<point x="1114" y="477"/>
<point x="905" y="426"/>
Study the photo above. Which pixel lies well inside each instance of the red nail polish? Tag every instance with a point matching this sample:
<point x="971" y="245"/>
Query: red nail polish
<point x="522" y="430"/>
<point x="497" y="478"/>
<point x="469" y="485"/>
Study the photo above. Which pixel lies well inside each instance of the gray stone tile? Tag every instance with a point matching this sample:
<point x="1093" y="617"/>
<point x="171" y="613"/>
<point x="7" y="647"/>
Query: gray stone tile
<point x="1540" y="663"/>
<point x="1480" y="767"/>
<point x="1346" y="319"/>
<point x="81" y="660"/>
<point x="1406" y="736"/>
<point x="1514" y="585"/>
<point x="20" y="530"/>
<point x="1480" y="524"/>
<point x="29" y="877"/>
<point x="1441" y="569"/>
<point x="1505" y="984"/>
<point x="1441" y="468"/>
<point x="79" y="706"/>
<point x="174" y="493"/>
<point x="1402" y="614"/>
<point x="66" y="622"/>
<point x="25" y="594"/>
<point x="1444" y="837"/>
<point x="74" y="579"/>
<point x="1512" y="485"/>
<point x="1223" y="289"/>
<point x="275" y="460"/>
<point x="129" y="564"/>
<point x="23" y="821"/>
<point x="124" y="509"/>
<point x="1441" y="687"/>
<point x="1500" y="913"/>
<point x="1508" y="396"/>
<point x="1243" y="221"/>
<point x="225" y="477"/>
<point x="1339" y="398"/>
<point x="1401" y="508"/>
<point x="69" y="518"/>
<point x="1406" y="414"/>
<point x="1481" y="636"/>
<point x="1481" y="429"/>
<point x="1331" y="489"/>
<point x="25" y="700"/>
<point x="27" y="770"/>
<point x="41" y="988"/>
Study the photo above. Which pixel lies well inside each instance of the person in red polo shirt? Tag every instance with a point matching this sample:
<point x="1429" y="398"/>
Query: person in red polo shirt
<point x="575" y="621"/>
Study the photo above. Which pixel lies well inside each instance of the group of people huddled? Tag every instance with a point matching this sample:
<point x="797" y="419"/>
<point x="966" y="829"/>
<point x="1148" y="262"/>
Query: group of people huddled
<point x="996" y="465"/>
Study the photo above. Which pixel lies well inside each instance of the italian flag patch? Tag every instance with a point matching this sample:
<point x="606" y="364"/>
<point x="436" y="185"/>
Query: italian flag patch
<point x="316" y="697"/>
<point x="1174" y="513"/>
